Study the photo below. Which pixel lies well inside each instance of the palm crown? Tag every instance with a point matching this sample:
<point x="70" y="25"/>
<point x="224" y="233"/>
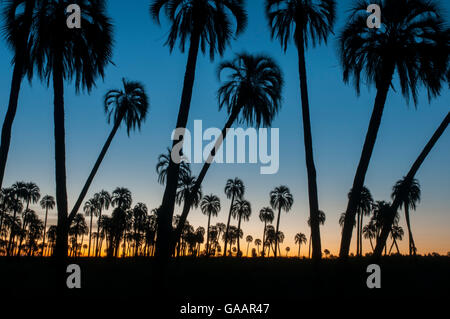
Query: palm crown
<point x="281" y="198"/>
<point x="234" y="187"/>
<point x="266" y="214"/>
<point x="242" y="209"/>
<point x="408" y="191"/>
<point x="210" y="205"/>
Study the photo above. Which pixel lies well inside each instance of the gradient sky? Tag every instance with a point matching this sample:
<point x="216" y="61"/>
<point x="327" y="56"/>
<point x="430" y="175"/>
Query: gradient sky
<point x="339" y="123"/>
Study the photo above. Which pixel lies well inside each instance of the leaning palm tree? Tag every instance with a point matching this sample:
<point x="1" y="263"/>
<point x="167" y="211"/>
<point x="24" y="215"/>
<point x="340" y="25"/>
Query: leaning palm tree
<point x="413" y="41"/>
<point x="300" y="239"/>
<point x="18" y="19"/>
<point x="104" y="200"/>
<point x="304" y="20"/>
<point x="205" y="24"/>
<point x="91" y="209"/>
<point x="409" y="195"/>
<point x="128" y="106"/>
<point x="251" y="95"/>
<point x="234" y="189"/>
<point x="62" y="54"/>
<point x="210" y="206"/>
<point x="242" y="211"/>
<point x="280" y="199"/>
<point x="47" y="202"/>
<point x="266" y="215"/>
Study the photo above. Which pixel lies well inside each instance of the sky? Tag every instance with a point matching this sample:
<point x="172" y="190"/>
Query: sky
<point x="339" y="122"/>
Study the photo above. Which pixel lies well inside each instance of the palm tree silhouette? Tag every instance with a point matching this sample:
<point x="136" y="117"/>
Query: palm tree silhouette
<point x="16" y="206"/>
<point x="47" y="202"/>
<point x="322" y="219"/>
<point x="241" y="210"/>
<point x="91" y="208"/>
<point x="389" y="221"/>
<point x="396" y="234"/>
<point x="163" y="165"/>
<point x="412" y="41"/>
<point x="77" y="228"/>
<point x="103" y="198"/>
<point x="122" y="200"/>
<point x="204" y="23"/>
<point x="281" y="199"/>
<point x="18" y="19"/>
<point x="128" y="106"/>
<point x="234" y="189"/>
<point x="409" y="194"/>
<point x="29" y="193"/>
<point x="370" y="232"/>
<point x="61" y="54"/>
<point x="249" y="240"/>
<point x="266" y="215"/>
<point x="253" y="89"/>
<point x="210" y="206"/>
<point x="258" y="243"/>
<point x="300" y="239"/>
<point x="187" y="192"/>
<point x="363" y="208"/>
<point x="312" y="20"/>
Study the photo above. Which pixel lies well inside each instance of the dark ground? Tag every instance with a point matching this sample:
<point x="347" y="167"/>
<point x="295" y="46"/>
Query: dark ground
<point x="284" y="283"/>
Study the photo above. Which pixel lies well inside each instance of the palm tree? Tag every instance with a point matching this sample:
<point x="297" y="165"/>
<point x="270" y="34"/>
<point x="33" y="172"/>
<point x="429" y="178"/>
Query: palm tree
<point x="396" y="234"/>
<point x="258" y="243"/>
<point x="128" y="106"/>
<point x="409" y="195"/>
<point x="281" y="199"/>
<point x="103" y="199"/>
<point x="370" y="232"/>
<point x="234" y="189"/>
<point x="306" y="20"/>
<point x="300" y="239"/>
<point x="408" y="179"/>
<point x="163" y="165"/>
<point x="249" y="240"/>
<point x="16" y="206"/>
<point x="242" y="211"/>
<point x="187" y="192"/>
<point x="47" y="202"/>
<point x="61" y="54"/>
<point x="322" y="219"/>
<point x="204" y="23"/>
<point x="326" y="252"/>
<point x="29" y="193"/>
<point x="139" y="217"/>
<point x="266" y="215"/>
<point x="253" y="89"/>
<point x="287" y="251"/>
<point x="91" y="208"/>
<point x="121" y="198"/>
<point x="210" y="206"/>
<point x="18" y="18"/>
<point x="77" y="228"/>
<point x="364" y="207"/>
<point x="51" y="239"/>
<point x="412" y="41"/>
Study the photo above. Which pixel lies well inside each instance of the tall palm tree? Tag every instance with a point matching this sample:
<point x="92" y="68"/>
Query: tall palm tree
<point x="242" y="211"/>
<point x="163" y="165"/>
<point x="266" y="215"/>
<point x="305" y="20"/>
<point x="47" y="202"/>
<point x="300" y="239"/>
<point x="205" y="24"/>
<point x="258" y="243"/>
<point x="249" y="240"/>
<point x="280" y="199"/>
<point x="369" y="232"/>
<point x="139" y="216"/>
<point x="91" y="209"/>
<point x="121" y="198"/>
<point x="234" y="189"/>
<point x="103" y="199"/>
<point x="16" y="206"/>
<point x="251" y="95"/>
<point x="18" y="19"/>
<point x="77" y="228"/>
<point x="322" y="219"/>
<point x="363" y="208"/>
<point x="29" y="193"/>
<point x="396" y="234"/>
<point x="210" y="206"/>
<point x="412" y="41"/>
<point x="389" y="221"/>
<point x="62" y="54"/>
<point x="409" y="195"/>
<point x="128" y="106"/>
<point x="187" y="192"/>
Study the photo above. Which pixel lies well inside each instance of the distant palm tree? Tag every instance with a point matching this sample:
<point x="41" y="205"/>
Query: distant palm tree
<point x="326" y="252"/>
<point x="18" y="19"/>
<point x="47" y="202"/>
<point x="234" y="189"/>
<point x="266" y="215"/>
<point x="287" y="251"/>
<point x="370" y="232"/>
<point x="61" y="54"/>
<point x="121" y="198"/>
<point x="210" y="206"/>
<point x="258" y="243"/>
<point x="16" y="207"/>
<point x="205" y="24"/>
<point x="51" y="239"/>
<point x="241" y="210"/>
<point x="104" y="200"/>
<point x="249" y="240"/>
<point x="304" y="20"/>
<point x="396" y="234"/>
<point x="139" y="217"/>
<point x="413" y="41"/>
<point x="300" y="239"/>
<point x="30" y="193"/>
<point x="77" y="228"/>
<point x="91" y="208"/>
<point x="280" y="199"/>
<point x="364" y="207"/>
<point x="187" y="192"/>
<point x="163" y="165"/>
<point x="251" y="94"/>
<point x="128" y="106"/>
<point x="409" y="195"/>
<point x="322" y="219"/>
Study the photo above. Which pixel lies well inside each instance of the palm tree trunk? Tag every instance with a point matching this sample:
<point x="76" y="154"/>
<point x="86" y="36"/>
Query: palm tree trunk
<point x="45" y="230"/>
<point x="90" y="236"/>
<point x="361" y="233"/>
<point x="264" y="236"/>
<point x="357" y="234"/>
<point x="366" y="154"/>
<point x="412" y="172"/>
<point x="309" y="155"/>
<point x="98" y="233"/>
<point x="276" y="232"/>
<point x="228" y="226"/>
<point x="207" y="235"/>
<point x="11" y="234"/>
<point x="248" y="245"/>
<point x="309" y="250"/>
<point x="164" y="240"/>
<point x="412" y="247"/>
<point x="239" y="237"/>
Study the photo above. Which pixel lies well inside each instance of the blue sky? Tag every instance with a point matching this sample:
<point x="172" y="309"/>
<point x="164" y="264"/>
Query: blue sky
<point x="339" y="123"/>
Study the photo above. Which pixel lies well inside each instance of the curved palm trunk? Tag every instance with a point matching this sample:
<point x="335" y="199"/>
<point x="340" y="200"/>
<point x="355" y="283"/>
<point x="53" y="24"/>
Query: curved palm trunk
<point x="276" y="232"/>
<point x="309" y="156"/>
<point x="364" y="161"/>
<point x="387" y="226"/>
<point x="228" y="227"/>
<point x="412" y="246"/>
<point x="45" y="230"/>
<point x="19" y="62"/>
<point x="207" y="235"/>
<point x="165" y="215"/>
